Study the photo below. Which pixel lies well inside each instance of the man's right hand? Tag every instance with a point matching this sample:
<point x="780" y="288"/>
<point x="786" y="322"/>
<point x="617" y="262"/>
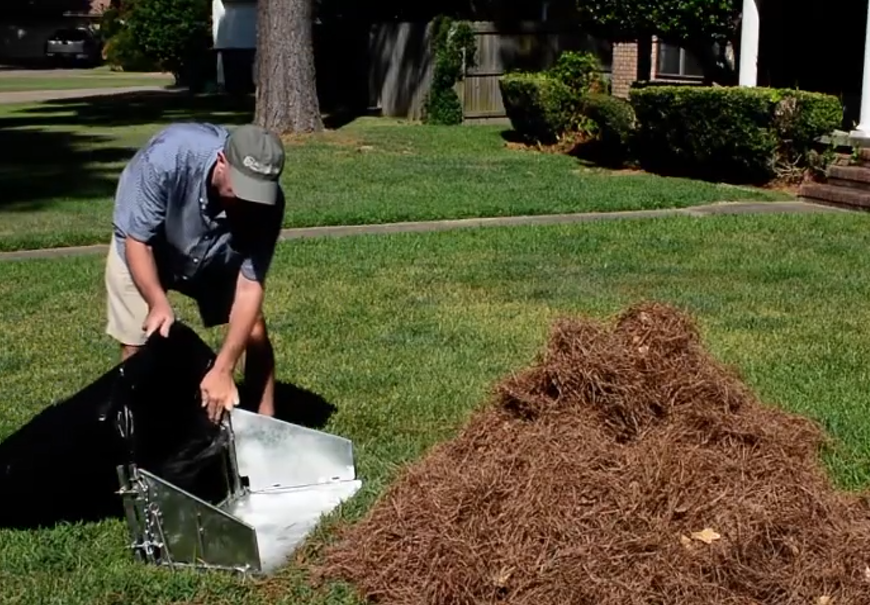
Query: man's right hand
<point x="144" y="272"/>
<point x="160" y="317"/>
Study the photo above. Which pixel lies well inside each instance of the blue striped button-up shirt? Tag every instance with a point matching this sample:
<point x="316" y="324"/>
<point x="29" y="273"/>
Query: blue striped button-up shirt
<point x="162" y="199"/>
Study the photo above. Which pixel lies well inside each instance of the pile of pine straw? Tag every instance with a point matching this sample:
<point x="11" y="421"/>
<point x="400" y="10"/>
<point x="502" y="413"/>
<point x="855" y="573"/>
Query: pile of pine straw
<point x="626" y="466"/>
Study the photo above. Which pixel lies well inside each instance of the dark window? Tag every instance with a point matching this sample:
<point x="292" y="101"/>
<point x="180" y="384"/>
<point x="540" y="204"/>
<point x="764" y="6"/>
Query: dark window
<point x="674" y="61"/>
<point x="70" y="35"/>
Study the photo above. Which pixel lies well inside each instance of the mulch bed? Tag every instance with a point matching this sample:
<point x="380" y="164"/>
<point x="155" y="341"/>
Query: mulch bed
<point x="625" y="466"/>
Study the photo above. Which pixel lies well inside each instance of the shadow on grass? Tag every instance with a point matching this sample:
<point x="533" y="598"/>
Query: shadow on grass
<point x="48" y="155"/>
<point x="38" y="166"/>
<point x="512" y="136"/>
<point x="602" y="154"/>
<point x="337" y="120"/>
<point x="136" y="109"/>
<point x="49" y="152"/>
<point x="151" y="107"/>
<point x="292" y="404"/>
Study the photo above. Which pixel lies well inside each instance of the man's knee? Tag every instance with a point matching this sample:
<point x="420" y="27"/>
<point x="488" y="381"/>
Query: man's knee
<point x="128" y="351"/>
<point x="258" y="332"/>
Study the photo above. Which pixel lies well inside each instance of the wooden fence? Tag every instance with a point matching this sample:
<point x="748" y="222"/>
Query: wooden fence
<point x="400" y="63"/>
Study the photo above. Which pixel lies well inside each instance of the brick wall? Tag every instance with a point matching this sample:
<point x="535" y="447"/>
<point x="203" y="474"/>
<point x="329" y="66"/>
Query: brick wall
<point x="98" y="6"/>
<point x="624" y="68"/>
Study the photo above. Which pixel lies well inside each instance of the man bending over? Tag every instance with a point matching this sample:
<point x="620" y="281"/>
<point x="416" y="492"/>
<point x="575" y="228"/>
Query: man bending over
<point x="198" y="210"/>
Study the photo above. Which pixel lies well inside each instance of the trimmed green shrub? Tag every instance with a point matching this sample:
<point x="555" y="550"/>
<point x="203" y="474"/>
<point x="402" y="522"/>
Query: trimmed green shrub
<point x="705" y="131"/>
<point x="581" y="71"/>
<point x="544" y="106"/>
<point x="800" y="118"/>
<point x="176" y="34"/>
<point x="111" y="23"/>
<point x="613" y="125"/>
<point x="120" y="50"/>
<point x="733" y="134"/>
<point x="541" y="108"/>
<point x="454" y="48"/>
<point x="122" y="53"/>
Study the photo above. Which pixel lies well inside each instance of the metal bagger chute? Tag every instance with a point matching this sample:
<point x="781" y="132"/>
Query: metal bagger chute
<point x="240" y="495"/>
<point x="280" y="479"/>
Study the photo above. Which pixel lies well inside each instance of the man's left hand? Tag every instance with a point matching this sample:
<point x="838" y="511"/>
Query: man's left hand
<point x="219" y="393"/>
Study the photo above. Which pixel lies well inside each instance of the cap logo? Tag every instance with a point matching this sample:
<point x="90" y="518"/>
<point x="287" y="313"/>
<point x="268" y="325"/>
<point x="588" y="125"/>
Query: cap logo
<point x="257" y="167"/>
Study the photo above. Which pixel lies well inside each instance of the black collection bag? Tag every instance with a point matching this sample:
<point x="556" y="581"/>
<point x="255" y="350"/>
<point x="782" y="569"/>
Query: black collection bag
<point x="61" y="466"/>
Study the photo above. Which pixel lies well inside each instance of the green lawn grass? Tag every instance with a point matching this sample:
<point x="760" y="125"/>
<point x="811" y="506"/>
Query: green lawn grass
<point x="405" y="334"/>
<point x="60" y="160"/>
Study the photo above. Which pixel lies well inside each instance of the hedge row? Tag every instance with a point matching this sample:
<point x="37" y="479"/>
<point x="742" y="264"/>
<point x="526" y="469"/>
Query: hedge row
<point x="612" y="122"/>
<point x="734" y="134"/>
<point x="738" y="134"/>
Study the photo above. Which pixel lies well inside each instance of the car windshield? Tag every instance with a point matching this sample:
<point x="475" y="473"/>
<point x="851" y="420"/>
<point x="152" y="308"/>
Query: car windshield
<point x="70" y="35"/>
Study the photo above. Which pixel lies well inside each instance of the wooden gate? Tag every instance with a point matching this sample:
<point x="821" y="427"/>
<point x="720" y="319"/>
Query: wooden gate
<point x="527" y="46"/>
<point x="401" y="63"/>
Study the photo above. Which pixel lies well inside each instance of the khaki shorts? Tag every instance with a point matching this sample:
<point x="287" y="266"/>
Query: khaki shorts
<point x="127" y="310"/>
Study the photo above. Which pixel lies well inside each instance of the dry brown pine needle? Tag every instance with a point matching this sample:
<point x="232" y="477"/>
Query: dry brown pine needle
<point x="625" y="467"/>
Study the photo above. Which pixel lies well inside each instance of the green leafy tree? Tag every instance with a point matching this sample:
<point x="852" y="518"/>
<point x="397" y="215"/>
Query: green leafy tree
<point x="176" y="34"/>
<point x="703" y="27"/>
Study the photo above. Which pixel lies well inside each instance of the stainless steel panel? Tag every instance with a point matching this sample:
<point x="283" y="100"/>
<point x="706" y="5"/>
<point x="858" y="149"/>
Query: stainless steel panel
<point x="194" y="532"/>
<point x="295" y="476"/>
<point x="283" y="518"/>
<point x="274" y="454"/>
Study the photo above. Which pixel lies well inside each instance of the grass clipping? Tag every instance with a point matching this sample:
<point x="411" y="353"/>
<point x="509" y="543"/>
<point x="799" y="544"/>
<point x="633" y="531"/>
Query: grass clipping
<point x="626" y="466"/>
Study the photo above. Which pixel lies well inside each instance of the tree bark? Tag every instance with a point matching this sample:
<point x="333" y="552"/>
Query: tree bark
<point x="286" y="81"/>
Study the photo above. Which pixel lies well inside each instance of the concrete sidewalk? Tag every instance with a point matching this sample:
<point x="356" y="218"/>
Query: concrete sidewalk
<point x="720" y="208"/>
<point x="11" y="71"/>
<point x="40" y="96"/>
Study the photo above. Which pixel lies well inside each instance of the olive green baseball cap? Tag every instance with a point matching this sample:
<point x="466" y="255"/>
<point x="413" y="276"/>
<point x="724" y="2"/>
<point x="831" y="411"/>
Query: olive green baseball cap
<point x="256" y="159"/>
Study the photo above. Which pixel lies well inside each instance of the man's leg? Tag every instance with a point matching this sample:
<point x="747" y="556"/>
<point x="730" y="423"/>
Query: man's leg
<point x="260" y="368"/>
<point x="126" y="309"/>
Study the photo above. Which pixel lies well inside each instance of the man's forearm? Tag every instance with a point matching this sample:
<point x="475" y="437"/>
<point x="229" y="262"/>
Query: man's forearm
<point x="243" y="316"/>
<point x="143" y="269"/>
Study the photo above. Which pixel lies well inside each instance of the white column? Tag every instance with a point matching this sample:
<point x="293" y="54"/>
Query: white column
<point x="863" y="129"/>
<point x="750" y="33"/>
<point x="217" y="16"/>
<point x="221" y="78"/>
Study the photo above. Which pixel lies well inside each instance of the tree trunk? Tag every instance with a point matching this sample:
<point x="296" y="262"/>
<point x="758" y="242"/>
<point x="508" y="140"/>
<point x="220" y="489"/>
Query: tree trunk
<point x="286" y="83"/>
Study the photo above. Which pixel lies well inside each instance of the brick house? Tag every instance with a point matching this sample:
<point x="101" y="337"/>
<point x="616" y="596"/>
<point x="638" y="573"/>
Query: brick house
<point x="780" y="47"/>
<point x="666" y="63"/>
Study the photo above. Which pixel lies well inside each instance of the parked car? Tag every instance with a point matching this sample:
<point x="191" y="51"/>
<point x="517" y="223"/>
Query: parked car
<point x="75" y="45"/>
